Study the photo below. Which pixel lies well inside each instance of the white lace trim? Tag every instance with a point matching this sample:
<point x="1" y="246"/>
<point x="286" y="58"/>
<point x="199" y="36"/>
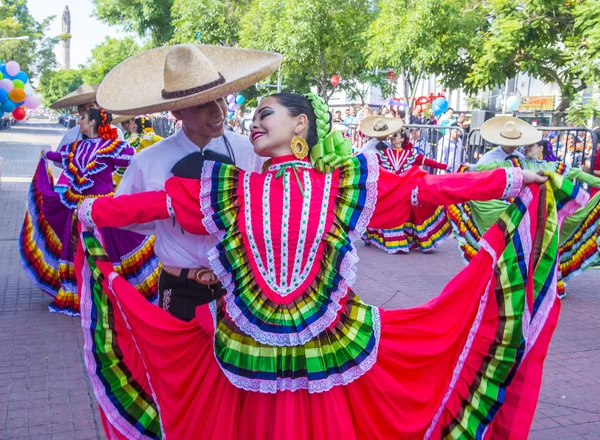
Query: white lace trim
<point x="371" y="201"/>
<point x="514" y="182"/>
<point x="303" y="383"/>
<point x="85" y="213"/>
<point x="205" y="198"/>
<point x="414" y="196"/>
<point x="170" y="209"/>
<point x="461" y="360"/>
<point x="296" y="163"/>
<point x="285" y="235"/>
<point x="303" y="230"/>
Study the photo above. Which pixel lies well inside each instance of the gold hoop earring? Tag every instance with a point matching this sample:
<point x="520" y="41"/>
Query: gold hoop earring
<point x="299" y="147"/>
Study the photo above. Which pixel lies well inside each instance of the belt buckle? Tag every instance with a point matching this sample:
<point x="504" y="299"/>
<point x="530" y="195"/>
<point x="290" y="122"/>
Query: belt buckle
<point x="205" y="277"/>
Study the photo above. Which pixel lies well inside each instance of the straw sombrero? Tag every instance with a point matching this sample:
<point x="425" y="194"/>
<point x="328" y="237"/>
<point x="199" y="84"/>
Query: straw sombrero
<point x="379" y="126"/>
<point x="509" y="132"/>
<point x="85" y="94"/>
<point x="185" y="75"/>
<point x="117" y="119"/>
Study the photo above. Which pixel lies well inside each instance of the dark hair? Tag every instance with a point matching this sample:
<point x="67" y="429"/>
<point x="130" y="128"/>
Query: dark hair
<point x="141" y="123"/>
<point x="300" y="105"/>
<point x="102" y="119"/>
<point x="449" y="108"/>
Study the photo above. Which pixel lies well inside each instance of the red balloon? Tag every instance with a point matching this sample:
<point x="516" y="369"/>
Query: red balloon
<point x="19" y="113"/>
<point x="335" y="80"/>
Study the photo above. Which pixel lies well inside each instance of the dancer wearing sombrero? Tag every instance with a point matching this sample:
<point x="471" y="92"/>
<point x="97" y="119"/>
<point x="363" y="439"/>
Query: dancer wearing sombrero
<point x="291" y="352"/>
<point x="427" y="226"/>
<point x="580" y="233"/>
<point x="47" y="250"/>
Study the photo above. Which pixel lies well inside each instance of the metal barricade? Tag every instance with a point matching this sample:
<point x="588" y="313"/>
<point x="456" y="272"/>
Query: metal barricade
<point x="163" y="126"/>
<point x="574" y="146"/>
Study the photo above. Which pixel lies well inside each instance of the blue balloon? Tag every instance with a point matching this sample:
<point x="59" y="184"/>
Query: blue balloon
<point x="230" y="115"/>
<point x="1" y="114"/>
<point x="240" y="99"/>
<point x="439" y="106"/>
<point x="3" y="96"/>
<point x="8" y="106"/>
<point x="19" y="104"/>
<point x="22" y="76"/>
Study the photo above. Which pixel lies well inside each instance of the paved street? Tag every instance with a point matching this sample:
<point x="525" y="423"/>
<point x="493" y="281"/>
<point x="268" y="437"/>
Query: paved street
<point x="44" y="393"/>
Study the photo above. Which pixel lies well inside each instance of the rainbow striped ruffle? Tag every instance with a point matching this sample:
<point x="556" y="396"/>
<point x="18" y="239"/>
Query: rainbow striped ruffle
<point x="424" y="235"/>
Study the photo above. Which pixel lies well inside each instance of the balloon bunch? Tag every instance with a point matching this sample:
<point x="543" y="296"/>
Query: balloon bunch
<point x="13" y="96"/>
<point x="233" y="102"/>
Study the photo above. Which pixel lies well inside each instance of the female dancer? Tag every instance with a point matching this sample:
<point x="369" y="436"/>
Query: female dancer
<point x="291" y="352"/>
<point x="580" y="233"/>
<point x="45" y="239"/>
<point x="427" y="226"/>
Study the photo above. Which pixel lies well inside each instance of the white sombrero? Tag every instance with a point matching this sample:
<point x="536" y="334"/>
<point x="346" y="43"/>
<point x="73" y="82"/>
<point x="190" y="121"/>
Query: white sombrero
<point x="117" y="119"/>
<point x="379" y="126"/>
<point x="509" y="132"/>
<point x="186" y="75"/>
<point x="85" y="94"/>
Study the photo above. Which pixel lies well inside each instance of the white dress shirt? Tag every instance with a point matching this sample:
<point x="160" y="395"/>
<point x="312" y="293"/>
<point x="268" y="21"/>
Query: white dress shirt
<point x="150" y="169"/>
<point x="450" y="152"/>
<point x="498" y="154"/>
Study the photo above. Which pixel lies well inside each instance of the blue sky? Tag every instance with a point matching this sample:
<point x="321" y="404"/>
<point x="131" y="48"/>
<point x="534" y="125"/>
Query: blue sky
<point x="87" y="32"/>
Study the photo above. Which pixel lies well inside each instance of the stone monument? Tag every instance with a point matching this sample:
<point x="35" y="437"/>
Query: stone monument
<point x="66" y="42"/>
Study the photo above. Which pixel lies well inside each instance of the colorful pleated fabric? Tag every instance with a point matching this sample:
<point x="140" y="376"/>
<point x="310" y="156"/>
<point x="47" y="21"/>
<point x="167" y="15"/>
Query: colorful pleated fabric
<point x="466" y="365"/>
<point x="47" y="255"/>
<point x="579" y="237"/>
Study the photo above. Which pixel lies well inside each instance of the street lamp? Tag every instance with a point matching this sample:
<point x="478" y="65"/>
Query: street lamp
<point x="25" y="37"/>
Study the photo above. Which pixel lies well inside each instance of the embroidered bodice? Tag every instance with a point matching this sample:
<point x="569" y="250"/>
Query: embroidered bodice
<point x="88" y="167"/>
<point x="287" y="261"/>
<point x="397" y="160"/>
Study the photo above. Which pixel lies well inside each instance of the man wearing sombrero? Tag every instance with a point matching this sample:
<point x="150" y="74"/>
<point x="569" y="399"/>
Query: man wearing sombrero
<point x="84" y="98"/>
<point x="190" y="81"/>
<point x="509" y="133"/>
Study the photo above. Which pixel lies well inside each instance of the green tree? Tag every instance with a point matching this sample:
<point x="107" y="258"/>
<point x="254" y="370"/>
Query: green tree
<point x="34" y="55"/>
<point x="147" y="18"/>
<point x="318" y="38"/>
<point x="208" y="21"/>
<point x="107" y="55"/>
<point x="586" y="48"/>
<point x="420" y="37"/>
<point x="56" y="84"/>
<point x="531" y="36"/>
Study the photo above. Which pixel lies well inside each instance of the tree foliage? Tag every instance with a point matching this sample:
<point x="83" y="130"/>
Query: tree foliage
<point x="107" y="55"/>
<point x="56" y="84"/>
<point x="34" y="55"/>
<point x="208" y="21"/>
<point x="318" y="38"/>
<point x="147" y="18"/>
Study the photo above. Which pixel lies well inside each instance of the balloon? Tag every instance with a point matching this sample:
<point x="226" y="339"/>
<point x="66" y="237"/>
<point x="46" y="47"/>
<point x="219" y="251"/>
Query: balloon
<point x="7" y="85"/>
<point x="1" y="114"/>
<point x="22" y="76"/>
<point x="18" y="84"/>
<point x="19" y="113"/>
<point x="240" y="99"/>
<point x="230" y="115"/>
<point x="12" y="68"/>
<point x="17" y="95"/>
<point x="513" y="103"/>
<point x="8" y="106"/>
<point x="1" y="75"/>
<point x="230" y="99"/>
<point x="335" y="80"/>
<point x="31" y="102"/>
<point x="439" y="106"/>
<point x="3" y="95"/>
<point x="232" y="107"/>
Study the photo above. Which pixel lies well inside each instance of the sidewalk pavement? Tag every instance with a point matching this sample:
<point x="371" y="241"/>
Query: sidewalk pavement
<point x="44" y="392"/>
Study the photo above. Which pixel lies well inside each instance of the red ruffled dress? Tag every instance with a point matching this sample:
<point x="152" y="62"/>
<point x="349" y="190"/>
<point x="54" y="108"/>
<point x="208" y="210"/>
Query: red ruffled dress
<point x="291" y="352"/>
<point x="427" y="226"/>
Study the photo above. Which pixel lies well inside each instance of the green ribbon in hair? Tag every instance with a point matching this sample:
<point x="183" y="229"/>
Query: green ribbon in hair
<point x="330" y="152"/>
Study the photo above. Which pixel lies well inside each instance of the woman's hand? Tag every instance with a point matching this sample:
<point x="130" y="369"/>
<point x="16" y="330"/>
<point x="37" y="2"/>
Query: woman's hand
<point x="531" y="177"/>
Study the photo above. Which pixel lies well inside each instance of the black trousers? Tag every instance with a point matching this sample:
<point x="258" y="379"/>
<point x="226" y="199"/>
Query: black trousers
<point x="180" y="296"/>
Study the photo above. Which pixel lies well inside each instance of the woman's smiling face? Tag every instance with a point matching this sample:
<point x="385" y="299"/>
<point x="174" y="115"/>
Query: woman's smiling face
<point x="273" y="128"/>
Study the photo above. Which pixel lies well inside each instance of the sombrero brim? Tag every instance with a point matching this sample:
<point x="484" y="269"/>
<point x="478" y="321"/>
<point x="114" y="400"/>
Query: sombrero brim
<point x="490" y="131"/>
<point x="76" y="98"/>
<point x="144" y="73"/>
<point x="366" y="126"/>
<point x="117" y="119"/>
